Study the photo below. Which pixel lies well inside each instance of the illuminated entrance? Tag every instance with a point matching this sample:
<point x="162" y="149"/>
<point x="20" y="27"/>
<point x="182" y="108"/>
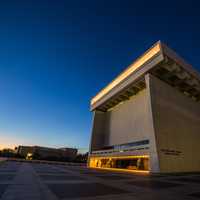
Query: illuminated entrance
<point x="132" y="163"/>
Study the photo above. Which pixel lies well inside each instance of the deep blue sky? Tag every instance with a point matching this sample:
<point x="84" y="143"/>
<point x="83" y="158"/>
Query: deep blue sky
<point x="56" y="55"/>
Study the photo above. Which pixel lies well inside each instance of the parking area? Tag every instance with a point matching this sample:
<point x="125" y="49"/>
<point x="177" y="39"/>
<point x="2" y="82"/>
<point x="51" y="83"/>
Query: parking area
<point x="33" y="181"/>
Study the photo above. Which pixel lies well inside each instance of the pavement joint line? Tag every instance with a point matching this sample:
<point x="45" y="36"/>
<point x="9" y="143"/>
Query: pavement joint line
<point x="25" y="186"/>
<point x="50" y="195"/>
<point x="118" y="185"/>
<point x="103" y="197"/>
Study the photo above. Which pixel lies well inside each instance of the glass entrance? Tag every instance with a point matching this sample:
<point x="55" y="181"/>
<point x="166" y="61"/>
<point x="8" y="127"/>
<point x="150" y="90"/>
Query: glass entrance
<point x="128" y="163"/>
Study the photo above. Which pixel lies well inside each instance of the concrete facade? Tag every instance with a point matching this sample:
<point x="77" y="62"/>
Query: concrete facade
<point x="148" y="118"/>
<point x="177" y="128"/>
<point x="135" y="118"/>
<point x="109" y="126"/>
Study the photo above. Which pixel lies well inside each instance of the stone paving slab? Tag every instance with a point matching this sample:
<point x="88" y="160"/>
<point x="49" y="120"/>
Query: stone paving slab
<point x="196" y="194"/>
<point x="187" y="179"/>
<point x="154" y="184"/>
<point x="50" y="172"/>
<point x="3" y="188"/>
<point x="6" y="177"/>
<point x="80" y="190"/>
<point x="60" y="178"/>
<point x="114" y="177"/>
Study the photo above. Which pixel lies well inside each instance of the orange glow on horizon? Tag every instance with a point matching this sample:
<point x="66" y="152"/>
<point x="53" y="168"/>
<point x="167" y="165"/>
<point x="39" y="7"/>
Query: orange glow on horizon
<point x="7" y="141"/>
<point x="7" y="146"/>
<point x="138" y="63"/>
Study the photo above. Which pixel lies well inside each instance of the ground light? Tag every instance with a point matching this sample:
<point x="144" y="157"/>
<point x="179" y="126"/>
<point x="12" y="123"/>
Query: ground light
<point x="122" y="170"/>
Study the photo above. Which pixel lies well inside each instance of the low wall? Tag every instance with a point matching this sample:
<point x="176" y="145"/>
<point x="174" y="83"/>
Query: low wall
<point x="3" y="159"/>
<point x="48" y="162"/>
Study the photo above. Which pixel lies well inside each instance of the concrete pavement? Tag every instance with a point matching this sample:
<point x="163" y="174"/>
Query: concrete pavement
<point x="26" y="181"/>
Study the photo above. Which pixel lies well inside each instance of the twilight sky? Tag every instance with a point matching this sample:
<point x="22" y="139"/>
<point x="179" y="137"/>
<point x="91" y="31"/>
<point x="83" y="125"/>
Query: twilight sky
<point x="56" y="55"/>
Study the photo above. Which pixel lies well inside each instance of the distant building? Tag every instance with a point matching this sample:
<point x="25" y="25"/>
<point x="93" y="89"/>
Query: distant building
<point x="47" y="153"/>
<point x="148" y="118"/>
<point x="24" y="150"/>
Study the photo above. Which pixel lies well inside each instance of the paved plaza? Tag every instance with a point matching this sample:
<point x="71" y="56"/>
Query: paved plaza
<point x="33" y="181"/>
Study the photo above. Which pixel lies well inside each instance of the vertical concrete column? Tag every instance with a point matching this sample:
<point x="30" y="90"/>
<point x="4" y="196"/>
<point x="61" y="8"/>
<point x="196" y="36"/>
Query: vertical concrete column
<point x="97" y="133"/>
<point x="154" y="159"/>
<point x="98" y="130"/>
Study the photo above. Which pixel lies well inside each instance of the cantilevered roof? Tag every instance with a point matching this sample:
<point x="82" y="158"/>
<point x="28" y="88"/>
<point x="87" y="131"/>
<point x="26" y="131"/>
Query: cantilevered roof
<point x="159" y="60"/>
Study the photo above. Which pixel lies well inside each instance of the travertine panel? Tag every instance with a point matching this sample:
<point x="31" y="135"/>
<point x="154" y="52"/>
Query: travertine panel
<point x="128" y="121"/>
<point x="177" y="128"/>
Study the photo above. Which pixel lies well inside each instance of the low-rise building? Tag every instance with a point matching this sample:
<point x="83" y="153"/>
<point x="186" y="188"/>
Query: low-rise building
<point x="47" y="153"/>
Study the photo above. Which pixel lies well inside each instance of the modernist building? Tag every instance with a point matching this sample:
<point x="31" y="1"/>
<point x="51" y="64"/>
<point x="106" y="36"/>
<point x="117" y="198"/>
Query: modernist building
<point x="148" y="118"/>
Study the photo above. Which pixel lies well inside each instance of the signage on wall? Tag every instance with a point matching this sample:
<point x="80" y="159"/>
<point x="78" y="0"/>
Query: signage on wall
<point x="171" y="152"/>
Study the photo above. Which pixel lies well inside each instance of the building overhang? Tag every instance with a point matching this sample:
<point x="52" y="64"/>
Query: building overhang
<point x="160" y="61"/>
